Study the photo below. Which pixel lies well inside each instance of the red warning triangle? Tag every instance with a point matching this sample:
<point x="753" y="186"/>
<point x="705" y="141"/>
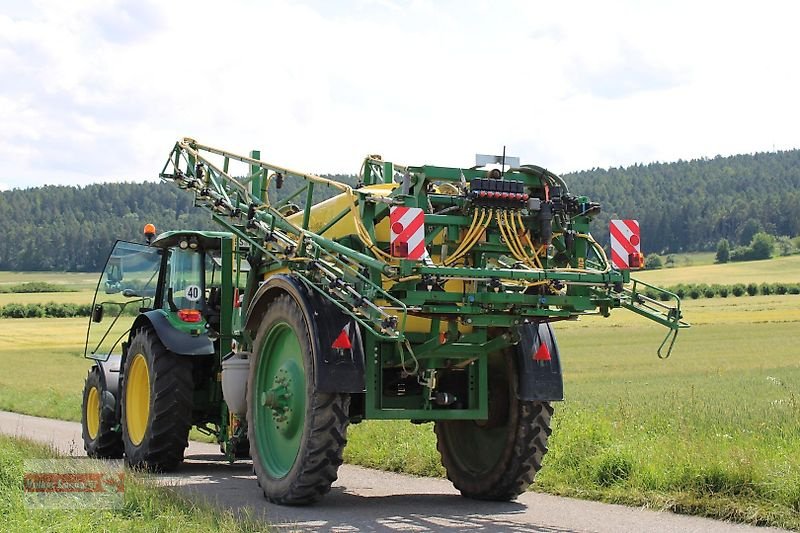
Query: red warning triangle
<point x="342" y="342"/>
<point x="542" y="354"/>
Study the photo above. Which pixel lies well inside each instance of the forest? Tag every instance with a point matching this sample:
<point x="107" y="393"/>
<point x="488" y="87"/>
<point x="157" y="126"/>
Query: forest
<point x="681" y="206"/>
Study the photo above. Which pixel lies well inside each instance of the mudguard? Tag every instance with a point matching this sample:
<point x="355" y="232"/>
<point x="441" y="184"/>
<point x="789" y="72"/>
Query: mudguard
<point x="109" y="379"/>
<point x="173" y="340"/>
<point x="538" y="380"/>
<point x="335" y="370"/>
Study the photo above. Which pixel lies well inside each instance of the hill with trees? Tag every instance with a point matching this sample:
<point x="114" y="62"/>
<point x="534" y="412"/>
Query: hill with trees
<point x="681" y="206"/>
<point x="692" y="205"/>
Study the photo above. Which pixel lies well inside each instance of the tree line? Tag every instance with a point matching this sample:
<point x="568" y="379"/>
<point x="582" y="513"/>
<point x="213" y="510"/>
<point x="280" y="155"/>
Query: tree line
<point x="681" y="206"/>
<point x="692" y="205"/>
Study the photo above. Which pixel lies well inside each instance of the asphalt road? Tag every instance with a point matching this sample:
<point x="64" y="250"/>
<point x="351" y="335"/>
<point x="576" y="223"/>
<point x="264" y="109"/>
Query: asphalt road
<point x="370" y="500"/>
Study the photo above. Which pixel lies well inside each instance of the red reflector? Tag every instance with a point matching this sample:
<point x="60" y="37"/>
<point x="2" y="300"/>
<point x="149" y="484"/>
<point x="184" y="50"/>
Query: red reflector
<point x="342" y="342"/>
<point x="189" y="315"/>
<point x="636" y="260"/>
<point x="542" y="354"/>
<point x="236" y="302"/>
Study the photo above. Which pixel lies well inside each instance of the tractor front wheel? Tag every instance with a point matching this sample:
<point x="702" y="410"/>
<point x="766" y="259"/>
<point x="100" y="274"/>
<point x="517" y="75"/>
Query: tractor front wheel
<point x="156" y="404"/>
<point x="98" y="421"/>
<point x="296" y="433"/>
<point x="497" y="458"/>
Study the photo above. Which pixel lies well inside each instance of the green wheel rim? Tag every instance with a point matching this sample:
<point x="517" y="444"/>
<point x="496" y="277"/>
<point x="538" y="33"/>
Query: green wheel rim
<point x="279" y="400"/>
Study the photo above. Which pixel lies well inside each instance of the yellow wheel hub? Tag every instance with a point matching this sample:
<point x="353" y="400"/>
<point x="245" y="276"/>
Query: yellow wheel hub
<point x="137" y="399"/>
<point x="93" y="413"/>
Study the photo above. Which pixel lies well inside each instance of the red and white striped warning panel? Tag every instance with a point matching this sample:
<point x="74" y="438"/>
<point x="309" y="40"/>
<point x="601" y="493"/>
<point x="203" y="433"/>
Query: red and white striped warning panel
<point x="407" y="233"/>
<point x="626" y="245"/>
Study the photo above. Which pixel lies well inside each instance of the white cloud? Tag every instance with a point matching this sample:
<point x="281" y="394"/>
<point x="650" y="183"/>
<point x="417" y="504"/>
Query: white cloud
<point x="99" y="90"/>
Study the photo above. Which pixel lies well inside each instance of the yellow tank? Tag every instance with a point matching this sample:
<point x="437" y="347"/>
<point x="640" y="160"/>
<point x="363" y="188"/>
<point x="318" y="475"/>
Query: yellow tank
<point x="323" y="212"/>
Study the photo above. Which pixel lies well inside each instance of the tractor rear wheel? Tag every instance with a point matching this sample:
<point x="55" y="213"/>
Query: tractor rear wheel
<point x="98" y="421"/>
<point x="296" y="433"/>
<point x="498" y="458"/>
<point x="156" y="404"/>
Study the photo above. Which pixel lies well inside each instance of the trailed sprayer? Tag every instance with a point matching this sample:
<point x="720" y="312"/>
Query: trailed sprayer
<point x="421" y="293"/>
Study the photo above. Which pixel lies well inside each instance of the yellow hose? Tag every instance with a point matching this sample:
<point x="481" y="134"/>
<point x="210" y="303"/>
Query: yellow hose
<point x="536" y="259"/>
<point x="467" y="234"/>
<point x="515" y="231"/>
<point x="505" y="231"/>
<point x="471" y="237"/>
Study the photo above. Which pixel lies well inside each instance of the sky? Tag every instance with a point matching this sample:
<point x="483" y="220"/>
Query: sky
<point x="100" y="90"/>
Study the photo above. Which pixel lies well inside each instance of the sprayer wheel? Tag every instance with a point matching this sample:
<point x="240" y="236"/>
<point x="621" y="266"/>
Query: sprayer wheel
<point x="496" y="459"/>
<point x="297" y="434"/>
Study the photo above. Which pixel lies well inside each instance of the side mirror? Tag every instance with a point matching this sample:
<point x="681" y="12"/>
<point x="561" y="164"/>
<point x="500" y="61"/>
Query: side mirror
<point x="97" y="313"/>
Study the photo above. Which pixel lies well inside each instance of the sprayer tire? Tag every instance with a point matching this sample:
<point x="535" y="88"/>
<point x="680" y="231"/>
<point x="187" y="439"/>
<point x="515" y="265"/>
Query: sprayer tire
<point x="499" y="458"/>
<point x="99" y="438"/>
<point x="155" y="440"/>
<point x="296" y="445"/>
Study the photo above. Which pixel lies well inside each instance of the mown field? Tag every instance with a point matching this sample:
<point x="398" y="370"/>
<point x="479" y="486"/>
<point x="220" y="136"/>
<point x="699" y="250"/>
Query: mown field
<point x="72" y="280"/>
<point x="781" y="269"/>
<point x="714" y="430"/>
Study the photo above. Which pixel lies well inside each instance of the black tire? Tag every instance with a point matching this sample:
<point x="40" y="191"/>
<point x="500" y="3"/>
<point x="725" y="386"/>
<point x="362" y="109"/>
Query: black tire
<point x="496" y="459"/>
<point x="99" y="441"/>
<point x="321" y="433"/>
<point x="169" y="410"/>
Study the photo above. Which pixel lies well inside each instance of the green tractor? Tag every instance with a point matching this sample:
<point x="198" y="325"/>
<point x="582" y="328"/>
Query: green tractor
<point x="421" y="293"/>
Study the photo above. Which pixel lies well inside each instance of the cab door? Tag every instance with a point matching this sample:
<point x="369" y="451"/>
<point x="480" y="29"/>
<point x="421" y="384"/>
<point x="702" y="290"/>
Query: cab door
<point x="127" y="284"/>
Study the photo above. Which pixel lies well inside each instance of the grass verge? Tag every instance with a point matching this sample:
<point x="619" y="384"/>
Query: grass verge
<point x="146" y="507"/>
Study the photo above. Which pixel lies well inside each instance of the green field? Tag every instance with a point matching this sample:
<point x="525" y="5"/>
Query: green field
<point x="81" y="284"/>
<point x="72" y="280"/>
<point x="714" y="430"/>
<point x="781" y="269"/>
<point x="79" y="297"/>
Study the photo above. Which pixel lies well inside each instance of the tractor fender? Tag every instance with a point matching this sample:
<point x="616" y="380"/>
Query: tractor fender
<point x="109" y="379"/>
<point x="538" y="380"/>
<point x="174" y="340"/>
<point x="335" y="370"/>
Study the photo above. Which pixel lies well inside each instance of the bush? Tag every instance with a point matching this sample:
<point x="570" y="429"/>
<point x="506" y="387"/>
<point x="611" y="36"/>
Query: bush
<point x="49" y="310"/>
<point x="780" y="288"/>
<point x="651" y="293"/>
<point x="762" y="246"/>
<point x="794" y="289"/>
<point x="723" y="291"/>
<point x="37" y="286"/>
<point x="723" y="251"/>
<point x="653" y="262"/>
<point x="695" y="292"/>
<point x="765" y="289"/>
<point x="34" y="311"/>
<point x="709" y="292"/>
<point x="738" y="289"/>
<point x="752" y="289"/>
<point x="13" y="311"/>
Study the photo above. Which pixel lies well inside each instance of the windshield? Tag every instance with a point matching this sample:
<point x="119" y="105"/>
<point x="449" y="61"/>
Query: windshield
<point x="128" y="283"/>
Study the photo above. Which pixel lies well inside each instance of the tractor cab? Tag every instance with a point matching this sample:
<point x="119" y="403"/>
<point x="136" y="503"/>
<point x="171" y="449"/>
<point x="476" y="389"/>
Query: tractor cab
<point x="178" y="276"/>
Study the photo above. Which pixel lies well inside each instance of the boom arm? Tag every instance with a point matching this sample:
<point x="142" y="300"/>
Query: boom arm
<point x="499" y="251"/>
